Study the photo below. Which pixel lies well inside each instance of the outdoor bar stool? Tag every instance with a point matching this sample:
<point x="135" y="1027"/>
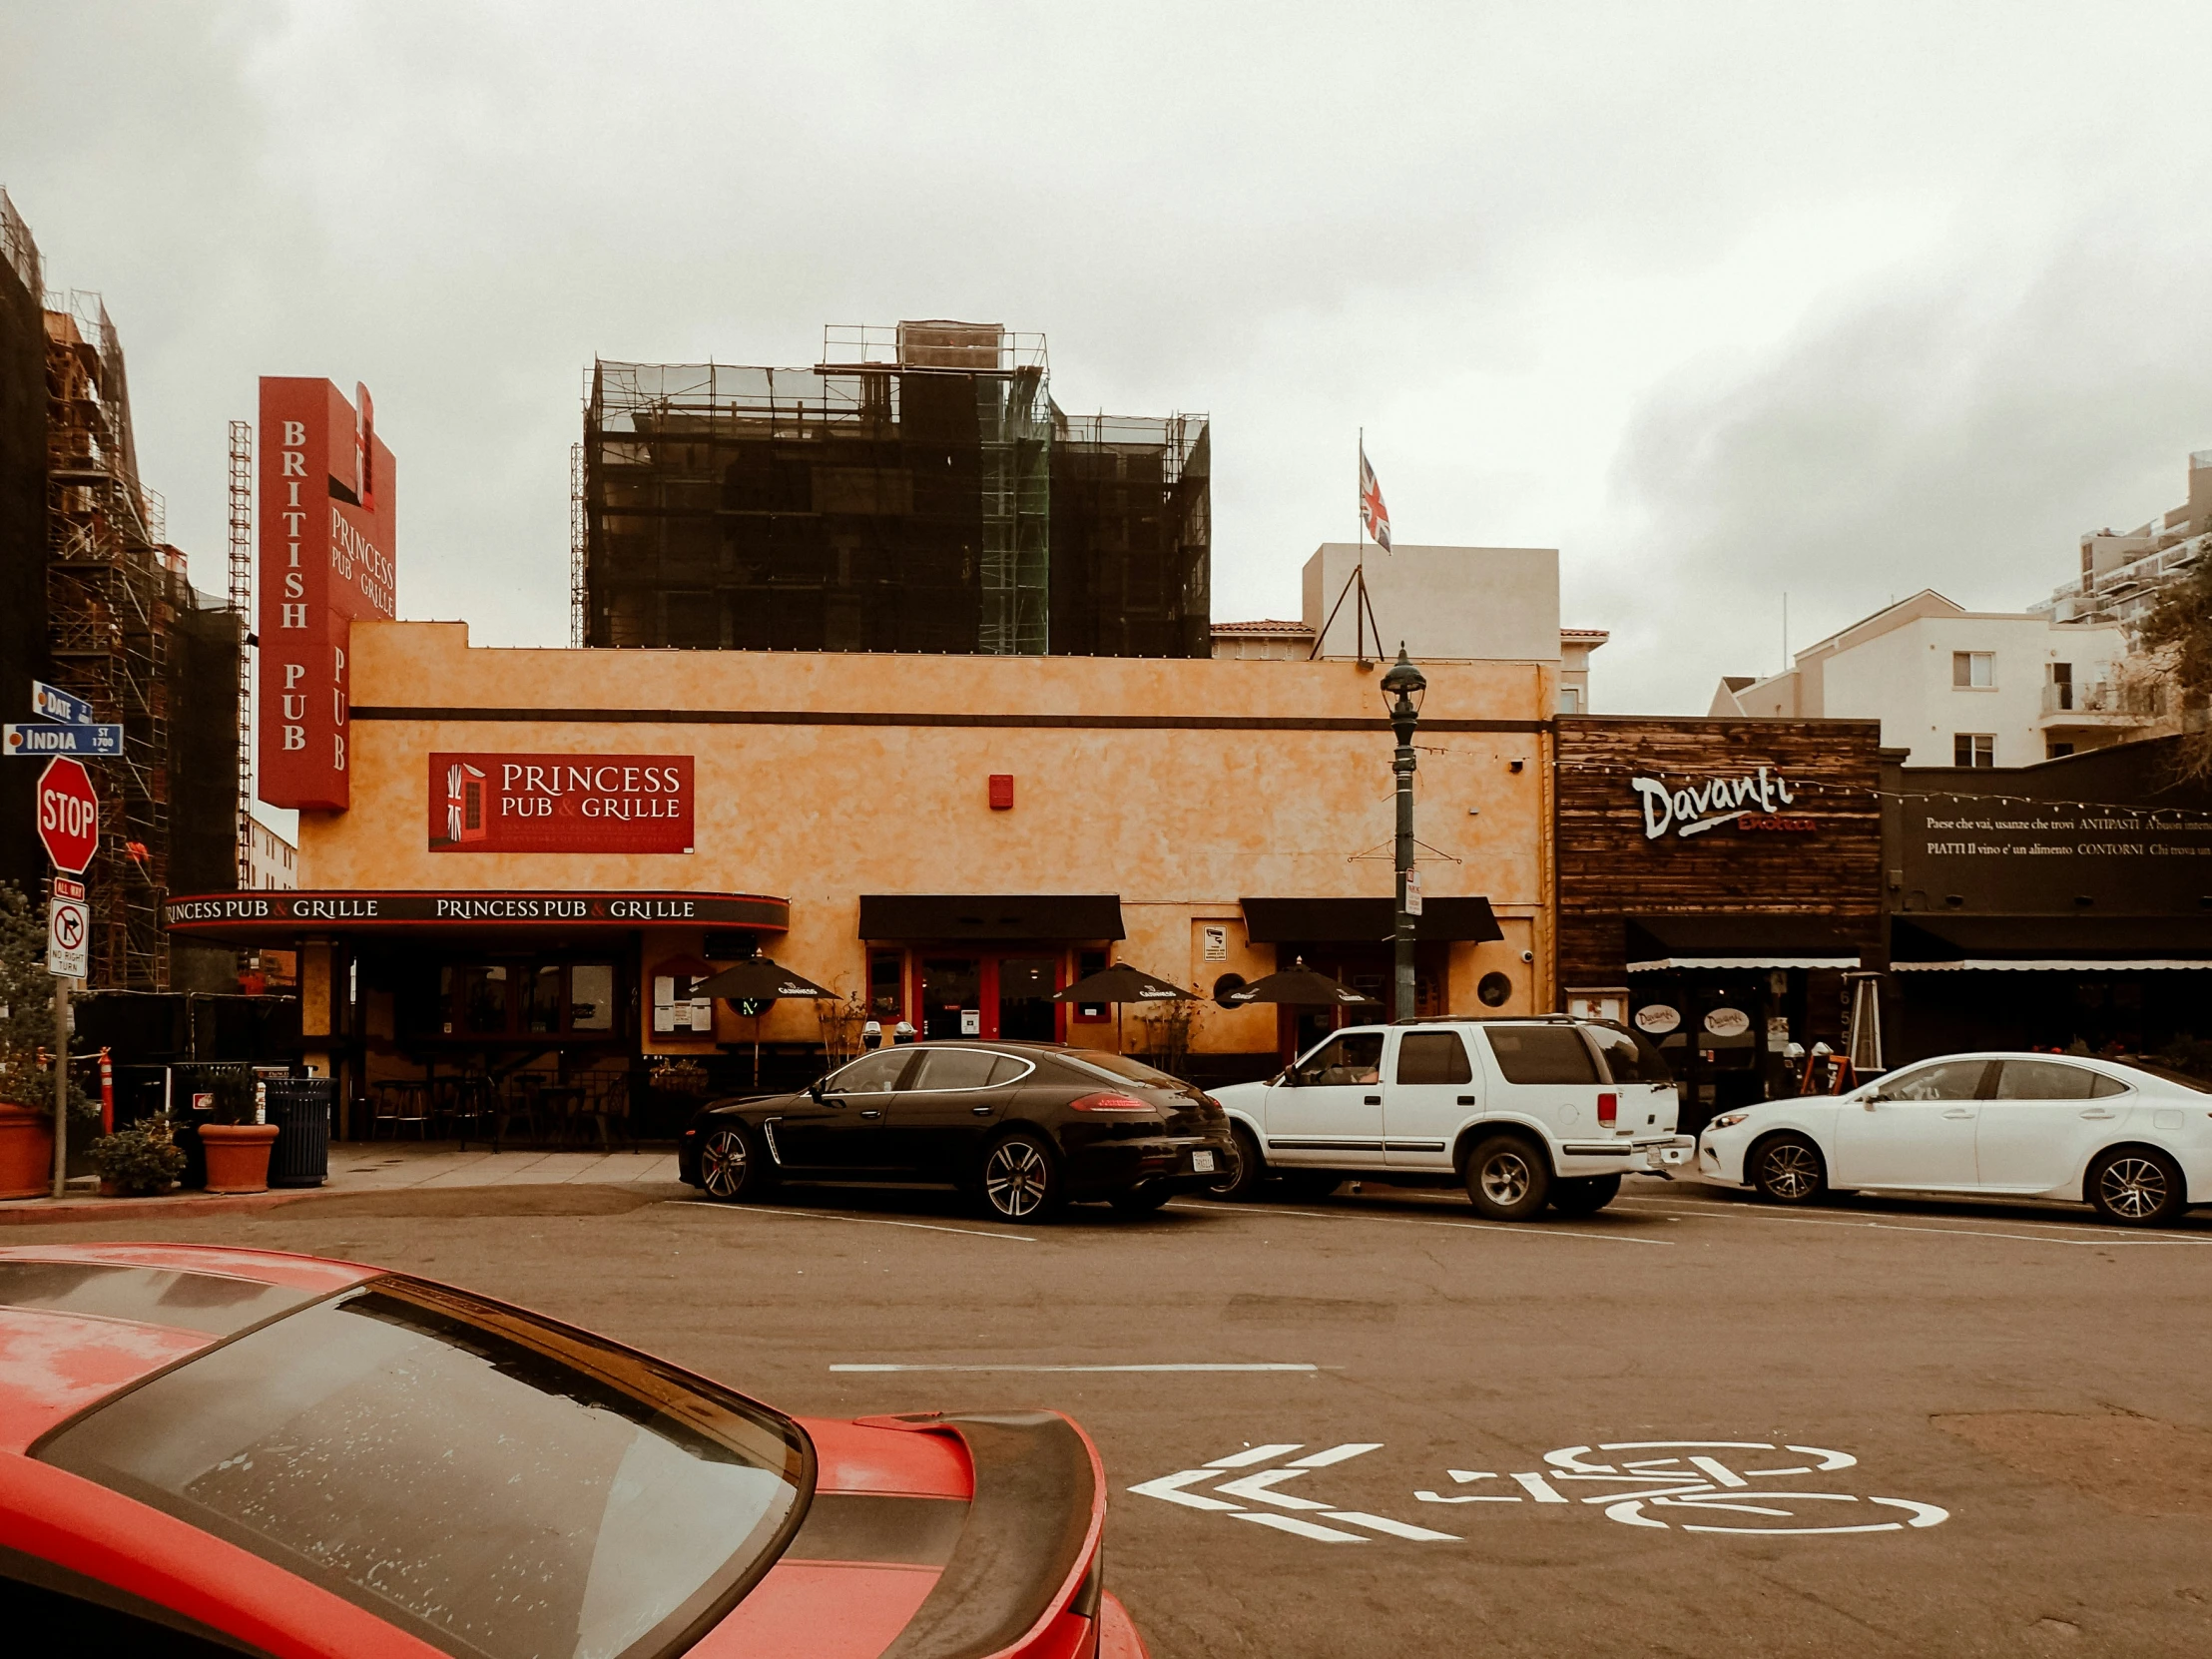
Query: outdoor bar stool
<point x="401" y="1101"/>
<point x="469" y="1104"/>
<point x="519" y="1100"/>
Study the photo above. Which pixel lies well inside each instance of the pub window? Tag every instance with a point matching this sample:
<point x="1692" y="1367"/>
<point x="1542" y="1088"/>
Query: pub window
<point x="482" y="999"/>
<point x="1088" y="962"/>
<point x="591" y="996"/>
<point x="1974" y="749"/>
<point x="541" y="1000"/>
<point x="1973" y="670"/>
<point x="886" y="985"/>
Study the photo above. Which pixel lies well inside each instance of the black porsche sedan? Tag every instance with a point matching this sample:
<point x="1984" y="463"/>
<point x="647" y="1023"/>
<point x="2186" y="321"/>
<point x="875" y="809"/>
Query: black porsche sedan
<point x="1024" y="1127"/>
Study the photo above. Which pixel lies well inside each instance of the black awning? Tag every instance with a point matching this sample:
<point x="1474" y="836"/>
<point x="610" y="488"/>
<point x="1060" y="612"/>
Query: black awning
<point x="1051" y="916"/>
<point x="1751" y="937"/>
<point x="1941" y="938"/>
<point x="1339" y="920"/>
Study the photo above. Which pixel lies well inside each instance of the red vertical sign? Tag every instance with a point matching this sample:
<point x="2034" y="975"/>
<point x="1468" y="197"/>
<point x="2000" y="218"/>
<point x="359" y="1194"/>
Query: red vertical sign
<point x="326" y="533"/>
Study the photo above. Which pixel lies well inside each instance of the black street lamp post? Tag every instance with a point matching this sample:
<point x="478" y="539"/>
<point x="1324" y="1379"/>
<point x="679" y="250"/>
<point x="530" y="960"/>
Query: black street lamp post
<point x="1402" y="689"/>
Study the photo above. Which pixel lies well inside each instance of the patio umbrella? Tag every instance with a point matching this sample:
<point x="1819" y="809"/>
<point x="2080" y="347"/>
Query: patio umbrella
<point x="1122" y="984"/>
<point x="758" y="982"/>
<point x="1297" y="986"/>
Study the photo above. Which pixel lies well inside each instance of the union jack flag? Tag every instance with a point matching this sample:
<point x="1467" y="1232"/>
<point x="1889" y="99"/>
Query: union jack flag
<point x="1372" y="514"/>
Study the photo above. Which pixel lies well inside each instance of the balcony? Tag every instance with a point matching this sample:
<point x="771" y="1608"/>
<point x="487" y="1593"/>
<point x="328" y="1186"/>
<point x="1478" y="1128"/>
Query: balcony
<point x="2100" y="705"/>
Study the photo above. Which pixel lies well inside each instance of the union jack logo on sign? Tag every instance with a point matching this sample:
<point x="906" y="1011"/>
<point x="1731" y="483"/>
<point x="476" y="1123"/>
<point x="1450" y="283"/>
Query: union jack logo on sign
<point x="1372" y="514"/>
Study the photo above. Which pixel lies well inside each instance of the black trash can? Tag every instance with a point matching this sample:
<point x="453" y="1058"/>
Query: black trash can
<point x="301" y="1107"/>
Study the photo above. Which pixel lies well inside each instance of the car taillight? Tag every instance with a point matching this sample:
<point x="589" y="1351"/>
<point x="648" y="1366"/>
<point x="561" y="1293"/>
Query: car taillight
<point x="1110" y="1103"/>
<point x="1608" y="1107"/>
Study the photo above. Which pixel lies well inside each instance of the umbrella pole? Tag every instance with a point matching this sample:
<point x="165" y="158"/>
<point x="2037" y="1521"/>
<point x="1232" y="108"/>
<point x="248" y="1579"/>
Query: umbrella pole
<point x="755" y="1051"/>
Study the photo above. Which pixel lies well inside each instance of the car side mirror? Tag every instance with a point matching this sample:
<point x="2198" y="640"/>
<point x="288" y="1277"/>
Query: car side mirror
<point x="1285" y="1080"/>
<point x="814" y="1088"/>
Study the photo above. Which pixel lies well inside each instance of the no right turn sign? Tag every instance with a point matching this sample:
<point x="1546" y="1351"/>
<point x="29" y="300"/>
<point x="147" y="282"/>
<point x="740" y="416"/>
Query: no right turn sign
<point x="68" y="929"/>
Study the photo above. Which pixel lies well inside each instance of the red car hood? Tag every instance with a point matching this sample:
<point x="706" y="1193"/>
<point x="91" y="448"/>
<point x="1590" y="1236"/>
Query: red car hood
<point x="928" y="1538"/>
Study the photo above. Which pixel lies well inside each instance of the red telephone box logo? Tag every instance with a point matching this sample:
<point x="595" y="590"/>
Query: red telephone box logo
<point x="464" y="805"/>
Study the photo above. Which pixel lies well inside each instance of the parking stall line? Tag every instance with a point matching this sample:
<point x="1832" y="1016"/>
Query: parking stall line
<point x="864" y="1221"/>
<point x="1743" y="1210"/>
<point x="1057" y="1370"/>
<point x="2095" y="1243"/>
<point x="1511" y="1230"/>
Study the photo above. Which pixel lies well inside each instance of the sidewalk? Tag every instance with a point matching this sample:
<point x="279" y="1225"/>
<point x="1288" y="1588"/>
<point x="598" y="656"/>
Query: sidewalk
<point x="373" y="1166"/>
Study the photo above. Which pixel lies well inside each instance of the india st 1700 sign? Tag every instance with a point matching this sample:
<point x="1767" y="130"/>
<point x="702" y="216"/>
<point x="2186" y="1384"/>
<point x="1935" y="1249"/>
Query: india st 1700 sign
<point x="326" y="531"/>
<point x="490" y="802"/>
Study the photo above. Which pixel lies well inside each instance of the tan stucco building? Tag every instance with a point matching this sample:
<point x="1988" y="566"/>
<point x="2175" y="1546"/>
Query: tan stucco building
<point x="944" y="840"/>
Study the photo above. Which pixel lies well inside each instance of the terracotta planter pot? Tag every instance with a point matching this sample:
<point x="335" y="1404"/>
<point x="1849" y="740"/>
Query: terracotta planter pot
<point x="237" y="1156"/>
<point x="26" y="1153"/>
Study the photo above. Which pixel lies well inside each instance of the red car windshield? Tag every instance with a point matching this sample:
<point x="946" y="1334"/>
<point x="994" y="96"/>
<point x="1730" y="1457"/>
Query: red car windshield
<point x="494" y="1483"/>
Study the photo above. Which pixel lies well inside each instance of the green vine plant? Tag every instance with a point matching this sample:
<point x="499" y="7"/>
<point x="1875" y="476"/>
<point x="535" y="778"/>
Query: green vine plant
<point x="27" y="1013"/>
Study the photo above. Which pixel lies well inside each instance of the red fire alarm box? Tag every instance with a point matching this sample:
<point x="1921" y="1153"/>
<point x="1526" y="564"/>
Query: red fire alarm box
<point x="1002" y="792"/>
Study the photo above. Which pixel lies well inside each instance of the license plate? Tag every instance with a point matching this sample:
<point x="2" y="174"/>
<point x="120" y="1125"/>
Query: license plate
<point x="1202" y="1163"/>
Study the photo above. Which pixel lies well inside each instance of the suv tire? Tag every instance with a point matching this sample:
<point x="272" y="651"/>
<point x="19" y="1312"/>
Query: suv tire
<point x="1508" y="1177"/>
<point x="1584" y="1195"/>
<point x="1786" y="1169"/>
<point x="2137" y="1186"/>
<point x="1247" y="1173"/>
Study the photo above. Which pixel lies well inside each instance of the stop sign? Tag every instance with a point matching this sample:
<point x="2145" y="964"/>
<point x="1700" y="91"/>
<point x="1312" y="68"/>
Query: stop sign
<point x="68" y="814"/>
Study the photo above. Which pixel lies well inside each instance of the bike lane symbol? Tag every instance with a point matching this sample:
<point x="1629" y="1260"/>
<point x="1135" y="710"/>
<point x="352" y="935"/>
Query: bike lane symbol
<point x="1699" y="1478"/>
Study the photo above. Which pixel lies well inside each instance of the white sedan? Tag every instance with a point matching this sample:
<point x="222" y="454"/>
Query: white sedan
<point x="2133" y="1141"/>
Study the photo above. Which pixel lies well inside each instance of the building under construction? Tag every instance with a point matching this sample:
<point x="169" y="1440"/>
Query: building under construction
<point x="94" y="600"/>
<point x="915" y="490"/>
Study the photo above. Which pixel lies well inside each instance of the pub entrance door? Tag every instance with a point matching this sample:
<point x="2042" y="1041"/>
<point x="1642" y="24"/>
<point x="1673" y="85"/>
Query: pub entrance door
<point x="993" y="994"/>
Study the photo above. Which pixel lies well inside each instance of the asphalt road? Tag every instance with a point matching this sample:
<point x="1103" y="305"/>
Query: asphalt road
<point x="2029" y="1392"/>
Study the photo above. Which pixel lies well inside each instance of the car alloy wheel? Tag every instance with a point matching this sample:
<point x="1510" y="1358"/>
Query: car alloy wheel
<point x="2136" y="1189"/>
<point x="1788" y="1171"/>
<point x="725" y="1164"/>
<point x="1507" y="1178"/>
<point x="1018" y="1180"/>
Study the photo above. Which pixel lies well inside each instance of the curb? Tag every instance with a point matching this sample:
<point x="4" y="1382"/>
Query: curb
<point x="33" y="1212"/>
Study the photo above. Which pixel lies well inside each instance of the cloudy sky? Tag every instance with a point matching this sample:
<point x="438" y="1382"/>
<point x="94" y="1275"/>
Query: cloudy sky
<point x="1722" y="299"/>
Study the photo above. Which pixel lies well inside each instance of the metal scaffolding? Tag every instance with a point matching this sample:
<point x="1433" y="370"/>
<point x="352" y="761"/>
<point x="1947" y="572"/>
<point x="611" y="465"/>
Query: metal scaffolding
<point x="113" y="590"/>
<point x="914" y="490"/>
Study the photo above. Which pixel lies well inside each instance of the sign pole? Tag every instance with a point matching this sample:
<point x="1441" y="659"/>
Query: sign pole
<point x="61" y="1085"/>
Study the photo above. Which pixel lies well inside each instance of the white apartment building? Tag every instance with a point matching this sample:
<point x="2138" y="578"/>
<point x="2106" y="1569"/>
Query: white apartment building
<point x="1959" y="687"/>
<point x="2122" y="572"/>
<point x="1446" y="604"/>
<point x="272" y="863"/>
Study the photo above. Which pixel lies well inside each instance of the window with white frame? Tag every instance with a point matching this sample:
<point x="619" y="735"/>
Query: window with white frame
<point x="1974" y="749"/>
<point x="1973" y="670"/>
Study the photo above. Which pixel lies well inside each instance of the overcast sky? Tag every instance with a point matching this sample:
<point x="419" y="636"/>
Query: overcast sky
<point x="1719" y="299"/>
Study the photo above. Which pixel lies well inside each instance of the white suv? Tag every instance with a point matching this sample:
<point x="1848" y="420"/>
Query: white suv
<point x="1525" y="1112"/>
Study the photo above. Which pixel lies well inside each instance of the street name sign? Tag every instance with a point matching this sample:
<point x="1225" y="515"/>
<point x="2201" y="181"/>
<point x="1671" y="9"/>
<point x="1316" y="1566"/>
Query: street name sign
<point x="68" y="929"/>
<point x="52" y="703"/>
<point x="68" y="816"/>
<point x="40" y="738"/>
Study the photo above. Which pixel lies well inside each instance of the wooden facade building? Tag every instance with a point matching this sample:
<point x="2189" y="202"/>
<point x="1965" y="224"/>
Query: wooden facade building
<point x="1717" y="878"/>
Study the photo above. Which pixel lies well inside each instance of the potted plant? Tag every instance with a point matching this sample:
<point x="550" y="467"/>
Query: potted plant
<point x="26" y="1060"/>
<point x="233" y="1136"/>
<point x="138" y="1160"/>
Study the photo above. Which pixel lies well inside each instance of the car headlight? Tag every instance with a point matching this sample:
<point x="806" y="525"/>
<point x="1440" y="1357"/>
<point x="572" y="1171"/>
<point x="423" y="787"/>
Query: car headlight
<point x="1728" y="1120"/>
